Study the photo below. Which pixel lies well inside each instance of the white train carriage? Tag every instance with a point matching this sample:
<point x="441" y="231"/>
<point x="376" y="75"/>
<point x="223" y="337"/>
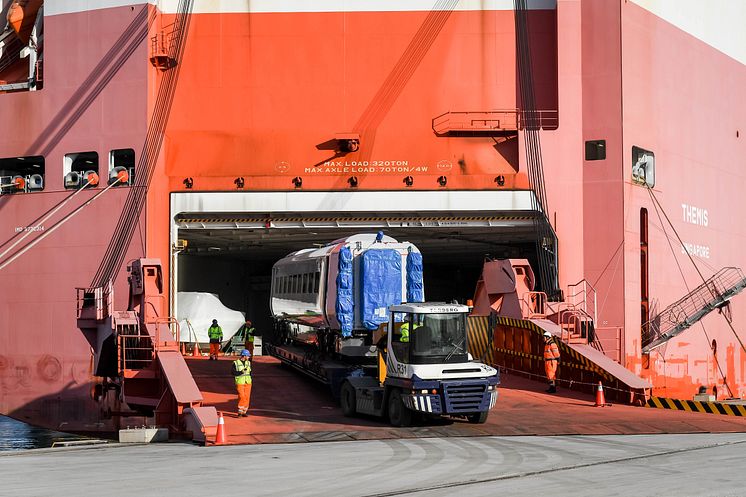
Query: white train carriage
<point x="347" y="285"/>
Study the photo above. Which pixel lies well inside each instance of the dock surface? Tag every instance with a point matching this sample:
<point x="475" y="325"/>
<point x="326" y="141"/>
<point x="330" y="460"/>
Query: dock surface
<point x="289" y="407"/>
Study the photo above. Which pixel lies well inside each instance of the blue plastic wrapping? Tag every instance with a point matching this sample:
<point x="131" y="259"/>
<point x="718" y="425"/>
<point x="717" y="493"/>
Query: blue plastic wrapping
<point x="344" y="304"/>
<point x="380" y="285"/>
<point x="415" y="286"/>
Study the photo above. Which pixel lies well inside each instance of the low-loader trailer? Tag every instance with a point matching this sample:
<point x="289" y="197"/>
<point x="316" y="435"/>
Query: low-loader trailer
<point x="422" y="368"/>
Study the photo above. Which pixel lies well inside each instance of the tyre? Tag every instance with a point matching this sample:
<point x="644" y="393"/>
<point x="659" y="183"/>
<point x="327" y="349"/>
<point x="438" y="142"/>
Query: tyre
<point x="478" y="418"/>
<point x="347" y="400"/>
<point x="399" y="415"/>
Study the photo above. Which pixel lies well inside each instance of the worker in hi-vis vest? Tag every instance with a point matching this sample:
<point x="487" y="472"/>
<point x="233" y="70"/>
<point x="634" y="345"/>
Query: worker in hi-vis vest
<point x="242" y="376"/>
<point x="405" y="331"/>
<point x="215" y="334"/>
<point x="551" y="360"/>
<point x="247" y="332"/>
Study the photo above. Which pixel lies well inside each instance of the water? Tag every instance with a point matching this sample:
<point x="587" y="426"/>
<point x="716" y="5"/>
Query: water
<point x="15" y="435"/>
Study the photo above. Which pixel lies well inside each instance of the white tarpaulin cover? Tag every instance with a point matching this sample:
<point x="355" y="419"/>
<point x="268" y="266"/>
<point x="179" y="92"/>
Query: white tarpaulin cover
<point x="199" y="309"/>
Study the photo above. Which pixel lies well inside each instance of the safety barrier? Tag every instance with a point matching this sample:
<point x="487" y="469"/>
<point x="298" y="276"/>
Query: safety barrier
<point x="723" y="408"/>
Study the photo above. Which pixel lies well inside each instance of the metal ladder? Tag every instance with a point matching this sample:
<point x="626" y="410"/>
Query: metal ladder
<point x="682" y="314"/>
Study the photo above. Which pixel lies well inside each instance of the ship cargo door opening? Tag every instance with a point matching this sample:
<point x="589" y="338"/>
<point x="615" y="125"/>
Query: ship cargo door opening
<point x="227" y="243"/>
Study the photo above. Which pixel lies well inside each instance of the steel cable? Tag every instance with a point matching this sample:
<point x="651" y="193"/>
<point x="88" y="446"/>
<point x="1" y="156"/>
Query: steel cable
<point x="133" y="207"/>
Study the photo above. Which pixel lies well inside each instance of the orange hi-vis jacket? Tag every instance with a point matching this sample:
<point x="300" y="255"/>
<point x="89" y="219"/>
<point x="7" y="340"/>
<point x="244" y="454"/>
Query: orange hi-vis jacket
<point x="551" y="352"/>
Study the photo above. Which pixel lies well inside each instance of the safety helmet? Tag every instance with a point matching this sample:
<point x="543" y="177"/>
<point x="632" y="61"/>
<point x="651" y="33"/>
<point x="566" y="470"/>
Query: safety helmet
<point x="547" y="334"/>
<point x="245" y="353"/>
<point x="214" y="321"/>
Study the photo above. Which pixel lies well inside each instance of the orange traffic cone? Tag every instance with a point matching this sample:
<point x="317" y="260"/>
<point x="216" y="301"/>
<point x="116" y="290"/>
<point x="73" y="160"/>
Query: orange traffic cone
<point x="600" y="399"/>
<point x="195" y="350"/>
<point x="220" y="437"/>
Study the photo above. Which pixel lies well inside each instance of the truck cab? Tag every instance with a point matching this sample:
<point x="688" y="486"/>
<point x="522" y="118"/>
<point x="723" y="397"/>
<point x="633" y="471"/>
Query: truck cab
<point x="424" y="367"/>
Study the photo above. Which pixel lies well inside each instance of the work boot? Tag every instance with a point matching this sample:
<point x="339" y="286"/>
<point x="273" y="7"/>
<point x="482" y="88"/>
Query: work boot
<point x="552" y="389"/>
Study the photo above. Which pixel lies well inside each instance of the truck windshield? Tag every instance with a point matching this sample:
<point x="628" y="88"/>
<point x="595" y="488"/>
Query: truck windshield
<point x="438" y="338"/>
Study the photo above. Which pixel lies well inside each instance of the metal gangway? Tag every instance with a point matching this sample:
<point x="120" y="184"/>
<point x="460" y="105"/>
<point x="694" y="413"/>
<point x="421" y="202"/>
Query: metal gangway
<point x="715" y="293"/>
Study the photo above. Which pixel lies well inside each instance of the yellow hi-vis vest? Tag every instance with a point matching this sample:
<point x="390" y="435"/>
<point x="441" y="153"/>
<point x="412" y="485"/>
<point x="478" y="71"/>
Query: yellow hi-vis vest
<point x="245" y="369"/>
<point x="248" y="333"/>
<point x="405" y="331"/>
<point x="215" y="332"/>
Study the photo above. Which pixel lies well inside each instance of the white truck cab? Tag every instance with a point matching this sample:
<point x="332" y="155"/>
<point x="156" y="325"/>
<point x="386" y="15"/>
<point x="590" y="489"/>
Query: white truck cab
<point x="425" y="368"/>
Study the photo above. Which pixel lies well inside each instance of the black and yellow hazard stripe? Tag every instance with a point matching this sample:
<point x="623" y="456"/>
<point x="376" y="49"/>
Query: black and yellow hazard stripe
<point x="210" y="220"/>
<point x="697" y="406"/>
<point x="478" y="330"/>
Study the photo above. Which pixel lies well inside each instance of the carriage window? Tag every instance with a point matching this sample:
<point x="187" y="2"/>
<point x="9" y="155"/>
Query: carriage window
<point x="316" y="282"/>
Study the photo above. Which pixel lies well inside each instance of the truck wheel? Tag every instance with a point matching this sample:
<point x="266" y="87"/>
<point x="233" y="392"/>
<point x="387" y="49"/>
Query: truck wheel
<point x="399" y="415"/>
<point x="347" y="400"/>
<point x="478" y="418"/>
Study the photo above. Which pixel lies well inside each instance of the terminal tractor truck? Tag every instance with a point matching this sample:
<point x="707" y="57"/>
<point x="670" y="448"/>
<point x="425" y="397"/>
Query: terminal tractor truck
<point x="340" y="318"/>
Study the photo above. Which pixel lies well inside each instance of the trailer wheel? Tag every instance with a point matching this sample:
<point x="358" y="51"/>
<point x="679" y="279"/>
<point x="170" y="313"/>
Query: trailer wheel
<point x="347" y="400"/>
<point x="399" y="415"/>
<point x="478" y="418"/>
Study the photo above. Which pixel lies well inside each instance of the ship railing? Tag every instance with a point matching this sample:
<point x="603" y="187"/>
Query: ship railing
<point x="582" y="295"/>
<point x="166" y="340"/>
<point x="161" y="47"/>
<point x="135" y="352"/>
<point x="535" y="305"/>
<point x="94" y="303"/>
<point x="576" y="324"/>
<point x="493" y="121"/>
<point x="714" y="293"/>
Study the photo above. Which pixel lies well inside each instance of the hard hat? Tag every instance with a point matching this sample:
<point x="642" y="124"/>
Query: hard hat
<point x="245" y="353"/>
<point x="547" y="334"/>
<point x="214" y="321"/>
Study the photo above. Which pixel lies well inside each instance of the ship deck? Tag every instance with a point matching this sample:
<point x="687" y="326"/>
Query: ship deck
<point x="289" y="407"/>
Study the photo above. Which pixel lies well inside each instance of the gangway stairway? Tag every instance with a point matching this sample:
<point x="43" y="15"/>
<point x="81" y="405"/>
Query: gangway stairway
<point x="508" y="322"/>
<point x="715" y="293"/>
<point x="137" y="355"/>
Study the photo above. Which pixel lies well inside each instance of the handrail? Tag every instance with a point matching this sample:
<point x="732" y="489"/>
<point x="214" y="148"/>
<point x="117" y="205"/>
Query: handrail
<point x="533" y="304"/>
<point x="588" y="292"/>
<point x="172" y="323"/>
<point x="126" y="350"/>
<point x="494" y="120"/>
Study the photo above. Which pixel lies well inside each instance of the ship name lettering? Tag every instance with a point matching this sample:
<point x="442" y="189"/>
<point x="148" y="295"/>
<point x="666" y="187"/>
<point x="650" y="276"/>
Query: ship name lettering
<point x="695" y="215"/>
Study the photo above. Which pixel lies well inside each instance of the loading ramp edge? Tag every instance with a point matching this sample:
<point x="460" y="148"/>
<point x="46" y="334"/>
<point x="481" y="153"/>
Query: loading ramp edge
<point x="581" y="366"/>
<point x="597" y="358"/>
